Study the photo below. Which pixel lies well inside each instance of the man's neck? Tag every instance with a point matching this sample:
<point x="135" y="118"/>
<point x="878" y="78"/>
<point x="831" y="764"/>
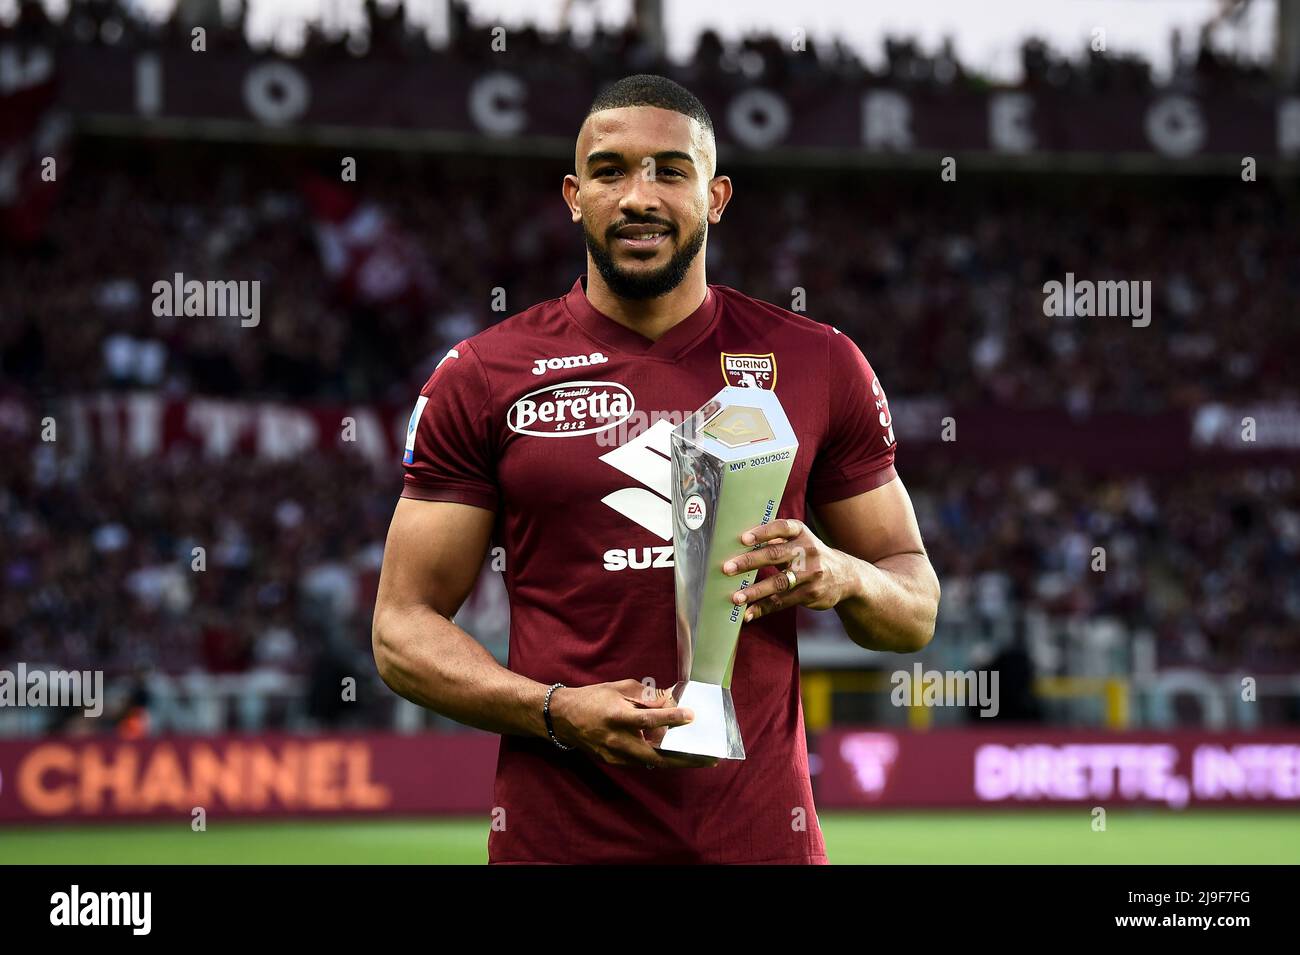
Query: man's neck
<point x="651" y="317"/>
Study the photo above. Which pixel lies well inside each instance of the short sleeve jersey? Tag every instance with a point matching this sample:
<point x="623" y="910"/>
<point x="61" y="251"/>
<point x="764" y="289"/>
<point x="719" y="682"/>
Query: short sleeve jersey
<point x="558" y="420"/>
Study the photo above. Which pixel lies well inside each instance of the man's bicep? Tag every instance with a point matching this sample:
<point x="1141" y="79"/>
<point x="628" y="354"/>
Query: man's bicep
<point x="873" y="525"/>
<point x="433" y="555"/>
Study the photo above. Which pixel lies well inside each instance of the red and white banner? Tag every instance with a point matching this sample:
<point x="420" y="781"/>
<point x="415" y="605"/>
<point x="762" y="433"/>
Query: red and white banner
<point x="145" y="425"/>
<point x="449" y="100"/>
<point x="1027" y="767"/>
<point x="108" y="779"/>
<point x="104" y="778"/>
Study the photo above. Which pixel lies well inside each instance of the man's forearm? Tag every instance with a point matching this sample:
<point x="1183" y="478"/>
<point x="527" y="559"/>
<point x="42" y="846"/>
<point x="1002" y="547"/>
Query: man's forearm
<point x="427" y="659"/>
<point x="892" y="604"/>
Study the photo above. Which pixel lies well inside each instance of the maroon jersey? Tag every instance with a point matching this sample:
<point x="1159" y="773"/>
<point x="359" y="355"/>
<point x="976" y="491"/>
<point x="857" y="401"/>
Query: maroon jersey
<point x="558" y="420"/>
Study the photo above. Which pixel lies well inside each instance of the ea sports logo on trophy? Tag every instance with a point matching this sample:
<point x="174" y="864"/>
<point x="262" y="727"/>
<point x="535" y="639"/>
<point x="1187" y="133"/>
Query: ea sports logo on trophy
<point x="694" y="512"/>
<point x="749" y="371"/>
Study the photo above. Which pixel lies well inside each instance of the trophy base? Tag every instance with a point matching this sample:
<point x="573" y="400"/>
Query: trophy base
<point x="714" y="731"/>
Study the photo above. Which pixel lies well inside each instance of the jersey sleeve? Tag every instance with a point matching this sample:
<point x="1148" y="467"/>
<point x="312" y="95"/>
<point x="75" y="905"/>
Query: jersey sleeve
<point x="857" y="453"/>
<point x="450" y="448"/>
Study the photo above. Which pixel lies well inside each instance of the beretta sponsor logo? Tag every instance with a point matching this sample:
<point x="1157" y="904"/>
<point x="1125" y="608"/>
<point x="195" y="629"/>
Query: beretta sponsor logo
<point x="571" y="408"/>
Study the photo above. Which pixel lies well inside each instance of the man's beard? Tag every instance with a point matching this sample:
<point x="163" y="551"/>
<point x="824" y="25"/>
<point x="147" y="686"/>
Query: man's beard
<point x="643" y="285"/>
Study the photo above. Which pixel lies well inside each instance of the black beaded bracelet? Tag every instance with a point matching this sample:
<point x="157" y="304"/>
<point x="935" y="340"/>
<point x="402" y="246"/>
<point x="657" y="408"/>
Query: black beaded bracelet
<point x="546" y="714"/>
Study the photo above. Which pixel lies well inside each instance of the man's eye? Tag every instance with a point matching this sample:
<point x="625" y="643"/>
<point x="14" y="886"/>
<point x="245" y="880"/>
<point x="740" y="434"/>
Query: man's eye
<point x="605" y="171"/>
<point x="669" y="170"/>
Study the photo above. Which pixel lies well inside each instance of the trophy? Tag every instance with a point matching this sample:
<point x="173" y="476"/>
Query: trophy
<point x="730" y="463"/>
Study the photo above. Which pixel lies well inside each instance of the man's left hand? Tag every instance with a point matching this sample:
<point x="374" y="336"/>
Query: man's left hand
<point x="822" y="574"/>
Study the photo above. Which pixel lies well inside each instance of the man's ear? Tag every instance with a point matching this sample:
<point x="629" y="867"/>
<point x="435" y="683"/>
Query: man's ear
<point x="569" y="189"/>
<point x="719" y="195"/>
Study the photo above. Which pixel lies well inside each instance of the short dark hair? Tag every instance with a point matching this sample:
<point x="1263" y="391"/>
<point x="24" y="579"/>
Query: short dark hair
<point x="650" y="90"/>
<point x="647" y="89"/>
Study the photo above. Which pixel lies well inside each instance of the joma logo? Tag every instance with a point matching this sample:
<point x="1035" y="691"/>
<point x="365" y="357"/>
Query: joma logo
<point x="542" y="365"/>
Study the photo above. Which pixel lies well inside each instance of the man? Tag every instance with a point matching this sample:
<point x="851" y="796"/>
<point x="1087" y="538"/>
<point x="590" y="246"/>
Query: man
<point x="548" y="434"/>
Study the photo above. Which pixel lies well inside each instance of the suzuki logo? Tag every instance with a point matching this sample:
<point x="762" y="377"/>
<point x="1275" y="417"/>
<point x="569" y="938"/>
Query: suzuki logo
<point x="647" y="459"/>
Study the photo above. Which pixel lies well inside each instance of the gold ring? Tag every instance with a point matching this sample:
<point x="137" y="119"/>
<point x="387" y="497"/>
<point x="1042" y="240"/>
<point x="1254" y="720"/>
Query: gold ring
<point x="789" y="575"/>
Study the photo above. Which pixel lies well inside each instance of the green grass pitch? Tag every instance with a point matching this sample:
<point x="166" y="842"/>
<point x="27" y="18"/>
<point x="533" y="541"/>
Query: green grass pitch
<point x="1049" y="836"/>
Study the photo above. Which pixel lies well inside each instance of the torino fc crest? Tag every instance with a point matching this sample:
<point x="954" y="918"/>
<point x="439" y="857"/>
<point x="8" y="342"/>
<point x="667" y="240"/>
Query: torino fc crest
<point x="750" y="371"/>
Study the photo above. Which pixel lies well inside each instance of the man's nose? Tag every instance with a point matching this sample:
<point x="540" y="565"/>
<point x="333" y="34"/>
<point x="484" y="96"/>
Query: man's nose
<point x="641" y="194"/>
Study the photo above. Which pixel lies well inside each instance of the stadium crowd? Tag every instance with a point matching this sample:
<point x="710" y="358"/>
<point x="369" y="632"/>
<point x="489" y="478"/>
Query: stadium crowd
<point x="943" y="294"/>
<point x="99" y="562"/>
<point x="389" y="30"/>
<point x="940" y="284"/>
<point x="942" y="287"/>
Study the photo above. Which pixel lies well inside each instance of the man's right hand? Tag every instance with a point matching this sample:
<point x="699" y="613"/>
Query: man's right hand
<point x="620" y="723"/>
